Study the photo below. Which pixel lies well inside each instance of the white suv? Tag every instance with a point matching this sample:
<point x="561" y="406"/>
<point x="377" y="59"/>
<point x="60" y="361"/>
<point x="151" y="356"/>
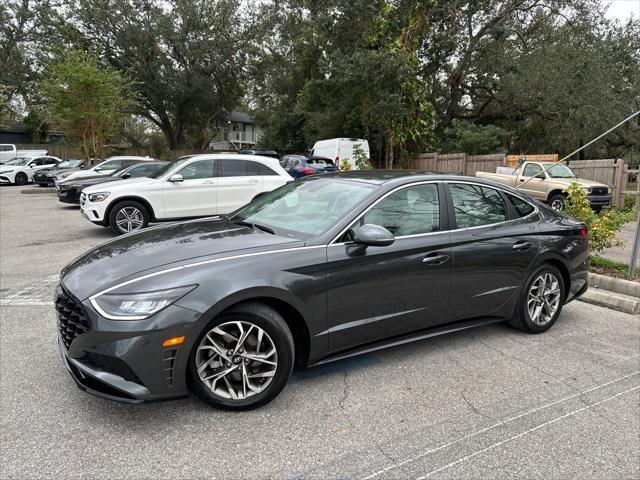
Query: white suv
<point x="199" y="186"/>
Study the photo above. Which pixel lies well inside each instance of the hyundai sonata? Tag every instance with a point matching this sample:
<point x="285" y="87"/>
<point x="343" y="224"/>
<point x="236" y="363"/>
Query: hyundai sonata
<point x="317" y="270"/>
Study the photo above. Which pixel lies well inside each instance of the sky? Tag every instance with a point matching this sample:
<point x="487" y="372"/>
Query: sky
<point x="623" y="9"/>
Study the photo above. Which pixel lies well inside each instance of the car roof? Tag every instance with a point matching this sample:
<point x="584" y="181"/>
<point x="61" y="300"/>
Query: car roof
<point x="234" y="156"/>
<point x="401" y="177"/>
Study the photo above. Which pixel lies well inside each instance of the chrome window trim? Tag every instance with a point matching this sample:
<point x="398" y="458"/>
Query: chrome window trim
<point x="448" y="182"/>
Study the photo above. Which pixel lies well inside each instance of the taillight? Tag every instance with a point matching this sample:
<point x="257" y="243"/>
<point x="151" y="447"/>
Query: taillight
<point x="337" y="161"/>
<point x="584" y="232"/>
<point x="306" y="171"/>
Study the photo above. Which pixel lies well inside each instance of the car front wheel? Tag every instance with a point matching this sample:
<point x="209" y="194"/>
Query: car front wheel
<point x="541" y="301"/>
<point x="243" y="358"/>
<point x="557" y="202"/>
<point x="21" y="179"/>
<point x="128" y="216"/>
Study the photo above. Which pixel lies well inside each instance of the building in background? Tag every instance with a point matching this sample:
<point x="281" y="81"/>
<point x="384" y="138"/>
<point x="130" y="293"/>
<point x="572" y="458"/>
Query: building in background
<point x="238" y="132"/>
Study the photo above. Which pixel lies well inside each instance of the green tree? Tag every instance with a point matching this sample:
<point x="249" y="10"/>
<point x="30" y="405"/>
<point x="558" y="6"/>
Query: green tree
<point x="186" y="57"/>
<point x="87" y="100"/>
<point x="475" y="139"/>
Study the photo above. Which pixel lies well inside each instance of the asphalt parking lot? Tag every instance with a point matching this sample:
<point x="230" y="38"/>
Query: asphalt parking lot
<point x="485" y="403"/>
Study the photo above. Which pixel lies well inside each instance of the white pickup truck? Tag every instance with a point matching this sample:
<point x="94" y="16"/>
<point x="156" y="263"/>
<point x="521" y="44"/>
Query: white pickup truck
<point x="548" y="186"/>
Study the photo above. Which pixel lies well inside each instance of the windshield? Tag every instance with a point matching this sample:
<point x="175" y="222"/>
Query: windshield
<point x="119" y="171"/>
<point x="169" y="166"/>
<point x="19" y="161"/>
<point x="305" y="209"/>
<point x="560" y="171"/>
<point x="69" y="163"/>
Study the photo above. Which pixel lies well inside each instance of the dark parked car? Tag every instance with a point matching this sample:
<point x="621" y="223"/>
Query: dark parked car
<point x="318" y="270"/>
<point x="69" y="190"/>
<point x="300" y="166"/>
<point x="262" y="153"/>
<point x="46" y="177"/>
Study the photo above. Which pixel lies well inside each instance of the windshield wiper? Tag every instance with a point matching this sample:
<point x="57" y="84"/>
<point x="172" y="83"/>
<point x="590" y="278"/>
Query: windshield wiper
<point x="254" y="226"/>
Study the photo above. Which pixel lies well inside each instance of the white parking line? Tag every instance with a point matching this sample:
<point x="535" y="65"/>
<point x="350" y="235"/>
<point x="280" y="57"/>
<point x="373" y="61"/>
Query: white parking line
<point x="495" y="445"/>
<point x="503" y="422"/>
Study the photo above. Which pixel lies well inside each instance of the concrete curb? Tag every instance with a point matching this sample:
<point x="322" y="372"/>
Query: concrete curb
<point x="614" y="301"/>
<point x="38" y="190"/>
<point x="612" y="284"/>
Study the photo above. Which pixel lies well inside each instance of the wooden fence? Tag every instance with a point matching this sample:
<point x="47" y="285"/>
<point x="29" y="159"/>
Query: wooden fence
<point x="459" y="163"/>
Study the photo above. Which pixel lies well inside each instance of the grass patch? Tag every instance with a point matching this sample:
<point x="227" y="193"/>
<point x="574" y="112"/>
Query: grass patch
<point x="611" y="268"/>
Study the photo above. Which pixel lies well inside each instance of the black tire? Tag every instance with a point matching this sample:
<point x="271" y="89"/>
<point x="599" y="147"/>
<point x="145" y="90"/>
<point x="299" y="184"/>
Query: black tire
<point x="276" y="328"/>
<point x="522" y="319"/>
<point x="44" y="184"/>
<point x="597" y="208"/>
<point x="21" y="178"/>
<point x="556" y="201"/>
<point x="128" y="204"/>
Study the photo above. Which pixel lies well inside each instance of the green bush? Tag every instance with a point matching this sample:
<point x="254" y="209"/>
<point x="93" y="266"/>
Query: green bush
<point x="361" y="160"/>
<point x="602" y="227"/>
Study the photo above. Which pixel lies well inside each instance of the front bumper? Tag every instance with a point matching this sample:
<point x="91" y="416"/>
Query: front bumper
<point x="71" y="195"/>
<point x="4" y="179"/>
<point x="93" y="211"/>
<point x="599" y="200"/>
<point x="125" y="360"/>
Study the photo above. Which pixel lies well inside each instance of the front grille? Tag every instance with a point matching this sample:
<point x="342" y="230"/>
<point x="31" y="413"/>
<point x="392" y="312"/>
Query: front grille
<point x="72" y="320"/>
<point x="599" y="190"/>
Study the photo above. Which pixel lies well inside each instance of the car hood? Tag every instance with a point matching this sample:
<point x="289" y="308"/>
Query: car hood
<point x="121" y="184"/>
<point x="131" y="255"/>
<point x="583" y="182"/>
<point x="86" y="181"/>
<point x="88" y="173"/>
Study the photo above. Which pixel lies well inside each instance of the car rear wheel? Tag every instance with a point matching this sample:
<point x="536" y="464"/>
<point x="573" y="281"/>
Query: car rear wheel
<point x="541" y="301"/>
<point x="128" y="216"/>
<point x="243" y="358"/>
<point x="21" y="179"/>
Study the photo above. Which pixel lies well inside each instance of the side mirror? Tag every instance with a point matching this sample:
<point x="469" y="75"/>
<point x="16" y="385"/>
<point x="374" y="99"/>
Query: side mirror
<point x="97" y="169"/>
<point x="373" y="236"/>
<point x="541" y="176"/>
<point x="31" y="165"/>
<point x="124" y="176"/>
<point x="177" y="178"/>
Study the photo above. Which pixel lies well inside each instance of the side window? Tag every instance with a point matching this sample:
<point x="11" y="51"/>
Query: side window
<point x="255" y="168"/>
<point x="410" y="211"/>
<point x="112" y="165"/>
<point x="233" y="168"/>
<point x="141" y="171"/>
<point x="128" y="163"/>
<point x="531" y="170"/>
<point x="37" y="162"/>
<point x="474" y="205"/>
<point x="521" y="207"/>
<point x="51" y="161"/>
<point x="5" y="148"/>
<point x="196" y="170"/>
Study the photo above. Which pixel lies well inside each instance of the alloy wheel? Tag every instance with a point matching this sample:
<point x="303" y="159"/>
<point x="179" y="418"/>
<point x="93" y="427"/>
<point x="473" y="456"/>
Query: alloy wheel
<point x="129" y="219"/>
<point x="543" y="299"/>
<point x="236" y="360"/>
<point x="557" y="205"/>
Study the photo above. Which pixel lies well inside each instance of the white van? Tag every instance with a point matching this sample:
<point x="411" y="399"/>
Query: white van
<point x="340" y="149"/>
<point x="7" y="152"/>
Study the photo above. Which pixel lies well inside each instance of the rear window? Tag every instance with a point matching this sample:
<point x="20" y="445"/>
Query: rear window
<point x="320" y="162"/>
<point x="521" y="207"/>
<point x="243" y="168"/>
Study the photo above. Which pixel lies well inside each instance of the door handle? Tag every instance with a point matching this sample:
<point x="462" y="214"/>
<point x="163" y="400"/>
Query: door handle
<point x="209" y="182"/>
<point x="435" y="259"/>
<point x="522" y="245"/>
<point x="253" y="180"/>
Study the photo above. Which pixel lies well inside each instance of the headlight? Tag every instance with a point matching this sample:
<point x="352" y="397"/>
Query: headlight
<point x="98" y="197"/>
<point x="6" y="171"/>
<point x="137" y="306"/>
